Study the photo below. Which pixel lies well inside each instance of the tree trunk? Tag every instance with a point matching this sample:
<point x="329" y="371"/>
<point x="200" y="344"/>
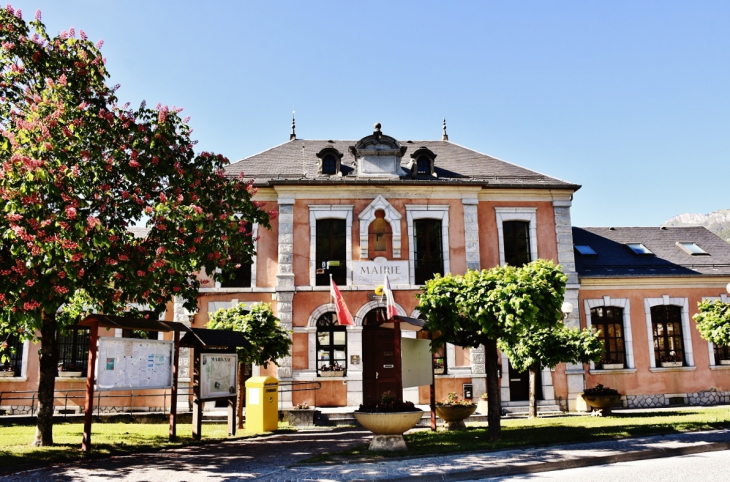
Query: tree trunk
<point x="48" y="361"/>
<point x="495" y="411"/>
<point x="241" y="391"/>
<point x="533" y="382"/>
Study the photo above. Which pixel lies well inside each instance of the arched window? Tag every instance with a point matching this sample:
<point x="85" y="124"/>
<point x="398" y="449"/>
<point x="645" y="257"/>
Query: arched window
<point x="609" y="322"/>
<point x="516" y="242"/>
<point x="375" y="317"/>
<point x="331" y="346"/>
<point x="329" y="164"/>
<point x="380" y="233"/>
<point x="666" y="321"/>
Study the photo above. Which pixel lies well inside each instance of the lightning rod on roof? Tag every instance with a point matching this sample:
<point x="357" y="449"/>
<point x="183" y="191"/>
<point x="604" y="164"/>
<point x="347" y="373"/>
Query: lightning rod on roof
<point x="445" y="136"/>
<point x="293" y="134"/>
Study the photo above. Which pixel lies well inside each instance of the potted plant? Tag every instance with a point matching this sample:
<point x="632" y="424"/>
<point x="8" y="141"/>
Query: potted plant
<point x="388" y="419"/>
<point x="601" y="399"/>
<point x="332" y="370"/>
<point x="438" y="366"/>
<point x="670" y="361"/>
<point x="725" y="362"/>
<point x="7" y="371"/>
<point x="610" y="364"/>
<point x="454" y="410"/>
<point x="483" y="404"/>
<point x="69" y="370"/>
<point x="301" y="415"/>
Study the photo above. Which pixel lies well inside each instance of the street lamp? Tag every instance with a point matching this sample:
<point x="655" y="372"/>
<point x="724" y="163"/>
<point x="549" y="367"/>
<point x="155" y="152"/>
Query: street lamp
<point x="567" y="308"/>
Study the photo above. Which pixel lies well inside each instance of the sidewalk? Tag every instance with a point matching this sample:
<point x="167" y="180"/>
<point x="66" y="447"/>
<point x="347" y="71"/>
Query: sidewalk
<point x="274" y="458"/>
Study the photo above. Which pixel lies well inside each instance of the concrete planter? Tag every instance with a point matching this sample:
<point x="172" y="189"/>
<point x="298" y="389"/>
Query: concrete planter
<point x="601" y="403"/>
<point x="7" y="374"/>
<point x="724" y="362"/>
<point x="388" y="428"/>
<point x="438" y="371"/>
<point x="454" y="415"/>
<point x="64" y="373"/>
<point x="671" y="364"/>
<point x="612" y="366"/>
<point x="301" y="417"/>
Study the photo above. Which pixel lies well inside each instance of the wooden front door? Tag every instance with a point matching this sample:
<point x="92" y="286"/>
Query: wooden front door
<point x="378" y="358"/>
<point x="519" y="385"/>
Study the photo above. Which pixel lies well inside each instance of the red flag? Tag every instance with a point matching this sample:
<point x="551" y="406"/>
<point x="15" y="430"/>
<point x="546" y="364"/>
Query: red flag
<point x="391" y="310"/>
<point x="343" y="315"/>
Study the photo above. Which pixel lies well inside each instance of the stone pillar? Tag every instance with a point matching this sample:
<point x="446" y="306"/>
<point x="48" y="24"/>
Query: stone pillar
<point x="471" y="233"/>
<point x="575" y="373"/>
<point x="478" y="371"/>
<point x="354" y="372"/>
<point x="285" y="287"/>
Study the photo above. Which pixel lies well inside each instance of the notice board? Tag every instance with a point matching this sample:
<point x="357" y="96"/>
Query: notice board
<point x="132" y="363"/>
<point x="218" y="375"/>
<point x="416" y="362"/>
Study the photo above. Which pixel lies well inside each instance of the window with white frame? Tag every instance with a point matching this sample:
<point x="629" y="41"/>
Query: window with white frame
<point x="331" y="346"/>
<point x="330" y="244"/>
<point x="517" y="229"/>
<point x="428" y="249"/>
<point x="11" y="356"/>
<point x="667" y="322"/>
<point x="612" y="317"/>
<point x="240" y="273"/>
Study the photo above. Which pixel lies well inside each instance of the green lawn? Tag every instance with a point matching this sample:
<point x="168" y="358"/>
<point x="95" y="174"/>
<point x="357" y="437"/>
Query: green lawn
<point x="547" y="431"/>
<point x="107" y="439"/>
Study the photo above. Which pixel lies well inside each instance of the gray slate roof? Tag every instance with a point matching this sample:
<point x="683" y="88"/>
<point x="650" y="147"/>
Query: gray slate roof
<point x="615" y="259"/>
<point x="295" y="162"/>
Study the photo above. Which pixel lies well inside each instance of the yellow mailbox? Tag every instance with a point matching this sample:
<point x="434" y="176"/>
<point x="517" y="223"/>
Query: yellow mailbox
<point x="262" y="404"/>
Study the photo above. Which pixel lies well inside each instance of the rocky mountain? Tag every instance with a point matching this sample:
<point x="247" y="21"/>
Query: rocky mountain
<point x="718" y="222"/>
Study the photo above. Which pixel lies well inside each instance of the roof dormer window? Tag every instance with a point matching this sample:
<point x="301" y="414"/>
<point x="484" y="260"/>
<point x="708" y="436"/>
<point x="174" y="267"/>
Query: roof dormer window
<point x="329" y="163"/>
<point x="423" y="162"/>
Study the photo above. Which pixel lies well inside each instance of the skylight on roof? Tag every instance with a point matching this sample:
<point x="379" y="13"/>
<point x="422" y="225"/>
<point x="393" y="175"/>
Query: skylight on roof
<point x="692" y="248"/>
<point x="638" y="248"/>
<point x="584" y="249"/>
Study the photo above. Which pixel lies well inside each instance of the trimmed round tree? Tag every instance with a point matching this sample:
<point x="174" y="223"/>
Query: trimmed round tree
<point x="269" y="340"/>
<point x="713" y="322"/>
<point x="76" y="171"/>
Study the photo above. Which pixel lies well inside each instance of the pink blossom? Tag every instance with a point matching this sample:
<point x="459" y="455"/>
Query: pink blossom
<point x="176" y="288"/>
<point x="148" y="209"/>
<point x="81" y="272"/>
<point x="100" y="44"/>
<point x="9" y="8"/>
<point x="30" y="282"/>
<point x="14" y="217"/>
<point x="61" y="289"/>
<point x="180" y="242"/>
<point x="117" y="276"/>
<point x="83" y="35"/>
<point x="134" y="164"/>
<point x="18" y="14"/>
<point x="140" y="273"/>
<point x="31" y="305"/>
<point x="160" y="251"/>
<point x="123" y="257"/>
<point x="61" y="274"/>
<point x="37" y="14"/>
<point x="180" y="198"/>
<point x="93" y="222"/>
<point x="186" y="120"/>
<point x="71" y="32"/>
<point x="77" y="257"/>
<point x="71" y="212"/>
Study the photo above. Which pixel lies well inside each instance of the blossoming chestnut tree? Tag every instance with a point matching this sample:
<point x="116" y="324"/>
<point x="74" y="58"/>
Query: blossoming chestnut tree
<point x="76" y="171"/>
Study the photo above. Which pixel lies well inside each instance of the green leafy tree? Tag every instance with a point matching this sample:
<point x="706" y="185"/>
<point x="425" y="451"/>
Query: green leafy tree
<point x="546" y="347"/>
<point x="482" y="307"/>
<point x="269" y="340"/>
<point x="76" y="171"/>
<point x="713" y="322"/>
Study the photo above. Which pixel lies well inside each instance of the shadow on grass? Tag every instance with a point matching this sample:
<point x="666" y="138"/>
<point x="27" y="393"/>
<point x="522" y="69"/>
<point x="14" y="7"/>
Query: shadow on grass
<point x="541" y="433"/>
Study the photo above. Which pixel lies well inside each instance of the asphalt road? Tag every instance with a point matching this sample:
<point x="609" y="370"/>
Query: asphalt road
<point x="708" y="466"/>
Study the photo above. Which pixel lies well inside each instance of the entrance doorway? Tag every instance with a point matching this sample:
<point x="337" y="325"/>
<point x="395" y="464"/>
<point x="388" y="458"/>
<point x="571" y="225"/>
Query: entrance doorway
<point x="519" y="385"/>
<point x="378" y="358"/>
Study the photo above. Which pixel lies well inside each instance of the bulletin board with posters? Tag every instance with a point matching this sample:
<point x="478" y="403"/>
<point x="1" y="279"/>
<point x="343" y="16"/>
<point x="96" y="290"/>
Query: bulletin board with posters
<point x="218" y="375"/>
<point x="133" y="364"/>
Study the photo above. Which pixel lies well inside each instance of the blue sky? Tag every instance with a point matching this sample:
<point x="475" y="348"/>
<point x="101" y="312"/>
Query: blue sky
<point x="628" y="98"/>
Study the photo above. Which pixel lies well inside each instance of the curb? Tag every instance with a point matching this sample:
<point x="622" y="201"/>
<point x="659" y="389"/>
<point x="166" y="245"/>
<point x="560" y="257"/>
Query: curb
<point x="535" y="467"/>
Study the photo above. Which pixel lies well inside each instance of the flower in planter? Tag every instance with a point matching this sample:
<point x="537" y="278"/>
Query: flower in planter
<point x="485" y="396"/>
<point x="600" y="390"/>
<point x="302" y="406"/>
<point x="453" y="400"/>
<point x="332" y="367"/>
<point x="609" y="361"/>
<point x="438" y="363"/>
<point x="388" y="403"/>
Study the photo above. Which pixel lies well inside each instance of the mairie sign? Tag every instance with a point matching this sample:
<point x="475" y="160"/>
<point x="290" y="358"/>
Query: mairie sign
<point x="373" y="272"/>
